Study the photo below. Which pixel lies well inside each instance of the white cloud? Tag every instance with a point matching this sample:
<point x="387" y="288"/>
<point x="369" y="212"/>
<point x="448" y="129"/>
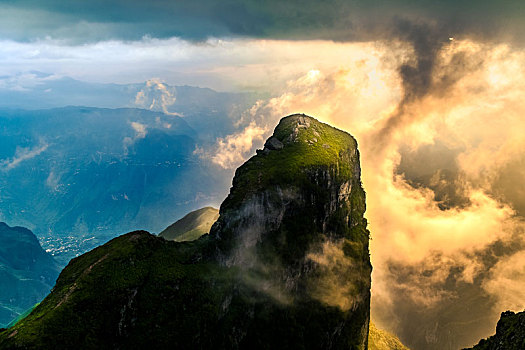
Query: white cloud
<point x="140" y="133"/>
<point x="231" y="151"/>
<point x="25" y="81"/>
<point x="507" y="282"/>
<point x="140" y="129"/>
<point x="22" y="154"/>
<point x="223" y="65"/>
<point x="156" y="96"/>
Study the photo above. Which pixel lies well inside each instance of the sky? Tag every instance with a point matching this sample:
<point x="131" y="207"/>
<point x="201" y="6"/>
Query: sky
<point x="228" y="45"/>
<point x="432" y="90"/>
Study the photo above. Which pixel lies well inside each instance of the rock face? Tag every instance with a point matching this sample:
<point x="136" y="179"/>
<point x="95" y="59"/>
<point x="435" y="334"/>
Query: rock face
<point x="510" y="333"/>
<point x="286" y="265"/>
<point x="273" y="144"/>
<point x="27" y="272"/>
<point x="191" y="226"/>
<point x="293" y="223"/>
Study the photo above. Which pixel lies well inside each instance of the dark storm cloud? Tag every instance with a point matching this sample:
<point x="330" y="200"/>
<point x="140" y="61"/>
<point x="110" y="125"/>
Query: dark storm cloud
<point x="84" y="21"/>
<point x="425" y="73"/>
<point x="417" y="77"/>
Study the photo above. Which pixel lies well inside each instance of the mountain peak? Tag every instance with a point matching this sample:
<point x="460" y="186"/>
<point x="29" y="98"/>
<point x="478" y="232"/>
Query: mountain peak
<point x="291" y="206"/>
<point x="307" y="145"/>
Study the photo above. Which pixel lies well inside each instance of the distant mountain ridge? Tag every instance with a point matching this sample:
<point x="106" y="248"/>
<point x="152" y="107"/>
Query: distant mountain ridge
<point x="38" y="90"/>
<point x="84" y="175"/>
<point x="109" y="164"/>
<point x="211" y="112"/>
<point x="192" y="225"/>
<point x="27" y="272"/>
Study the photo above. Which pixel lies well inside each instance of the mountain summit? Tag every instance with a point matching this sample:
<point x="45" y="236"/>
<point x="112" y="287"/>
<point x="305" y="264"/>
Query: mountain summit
<point x="286" y="265"/>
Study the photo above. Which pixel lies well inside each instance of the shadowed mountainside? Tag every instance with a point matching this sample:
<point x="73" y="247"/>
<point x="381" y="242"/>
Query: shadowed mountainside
<point x="27" y="272"/>
<point x="199" y="222"/>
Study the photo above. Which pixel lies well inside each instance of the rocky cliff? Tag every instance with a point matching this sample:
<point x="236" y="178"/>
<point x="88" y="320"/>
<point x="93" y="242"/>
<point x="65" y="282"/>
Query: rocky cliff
<point x="197" y="223"/>
<point x="286" y="265"/>
<point x="510" y="333"/>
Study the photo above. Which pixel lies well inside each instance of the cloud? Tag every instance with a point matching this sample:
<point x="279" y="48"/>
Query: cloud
<point x="140" y="129"/>
<point x="81" y="22"/>
<point x="447" y="245"/>
<point x="25" y="81"/>
<point x="140" y="133"/>
<point x="156" y="96"/>
<point x="339" y="279"/>
<point x="53" y="181"/>
<point x="231" y="151"/>
<point x="22" y="154"/>
<point x="221" y="64"/>
<point x="507" y="282"/>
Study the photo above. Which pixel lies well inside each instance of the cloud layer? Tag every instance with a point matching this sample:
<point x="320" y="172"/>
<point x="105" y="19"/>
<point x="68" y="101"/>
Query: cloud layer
<point x="233" y="64"/>
<point x="231" y="151"/>
<point x="439" y="125"/>
<point x="80" y="22"/>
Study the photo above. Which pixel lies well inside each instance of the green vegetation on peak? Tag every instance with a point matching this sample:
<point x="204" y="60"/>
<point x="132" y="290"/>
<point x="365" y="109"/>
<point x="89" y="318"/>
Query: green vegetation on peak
<point x="310" y="161"/>
<point x="286" y="265"/>
<point x="191" y="226"/>
<point x="307" y="145"/>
